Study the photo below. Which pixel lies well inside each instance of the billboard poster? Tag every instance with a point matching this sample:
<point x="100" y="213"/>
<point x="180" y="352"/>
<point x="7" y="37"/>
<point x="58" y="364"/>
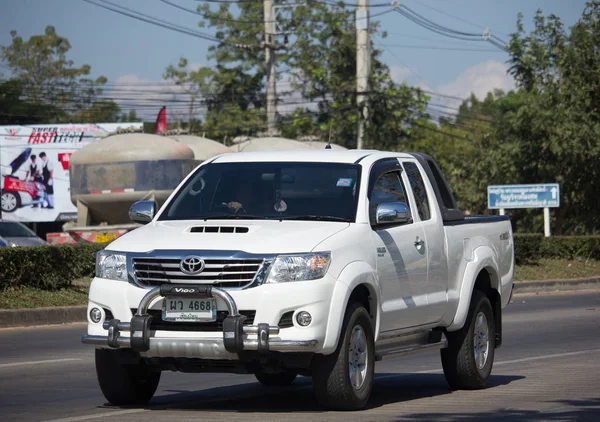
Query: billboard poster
<point x="34" y="168"/>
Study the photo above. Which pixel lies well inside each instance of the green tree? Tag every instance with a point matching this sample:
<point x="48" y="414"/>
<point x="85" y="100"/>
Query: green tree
<point x="15" y="111"/>
<point x="195" y="84"/>
<point x="558" y="123"/>
<point x="47" y="76"/>
<point x="317" y="61"/>
<point x="546" y="131"/>
<point x="132" y="116"/>
<point x="101" y="111"/>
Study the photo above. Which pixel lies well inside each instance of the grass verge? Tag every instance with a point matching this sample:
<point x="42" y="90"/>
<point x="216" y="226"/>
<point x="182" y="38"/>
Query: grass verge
<point x="29" y="297"/>
<point x="558" y="269"/>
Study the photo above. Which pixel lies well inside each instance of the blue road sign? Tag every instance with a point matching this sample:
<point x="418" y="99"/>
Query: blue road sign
<point x="524" y="196"/>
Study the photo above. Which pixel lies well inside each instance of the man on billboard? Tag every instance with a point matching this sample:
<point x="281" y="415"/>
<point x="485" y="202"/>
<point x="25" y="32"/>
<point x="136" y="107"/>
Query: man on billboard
<point x="33" y="174"/>
<point x="48" y="179"/>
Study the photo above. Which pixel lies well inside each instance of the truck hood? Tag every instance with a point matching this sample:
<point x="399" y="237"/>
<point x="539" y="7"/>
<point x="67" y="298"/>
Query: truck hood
<point x="251" y="236"/>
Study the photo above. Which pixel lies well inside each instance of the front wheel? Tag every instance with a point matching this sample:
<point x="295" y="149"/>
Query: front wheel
<point x="11" y="201"/>
<point x="344" y="379"/>
<point x="468" y="359"/>
<point x="125" y="384"/>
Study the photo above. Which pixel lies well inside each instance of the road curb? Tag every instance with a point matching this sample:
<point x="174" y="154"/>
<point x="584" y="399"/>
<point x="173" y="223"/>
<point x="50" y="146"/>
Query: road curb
<point x="70" y="314"/>
<point x="541" y="286"/>
<point x="42" y="316"/>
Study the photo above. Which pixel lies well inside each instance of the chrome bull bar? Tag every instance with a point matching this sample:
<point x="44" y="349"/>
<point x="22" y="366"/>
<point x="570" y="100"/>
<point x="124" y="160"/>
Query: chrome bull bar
<point x="234" y="330"/>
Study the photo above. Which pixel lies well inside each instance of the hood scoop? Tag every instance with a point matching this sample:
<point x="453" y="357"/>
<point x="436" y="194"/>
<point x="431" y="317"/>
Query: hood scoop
<point x="219" y="229"/>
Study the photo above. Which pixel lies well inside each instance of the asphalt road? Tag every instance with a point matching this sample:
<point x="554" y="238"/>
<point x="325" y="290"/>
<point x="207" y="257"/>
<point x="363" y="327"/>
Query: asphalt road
<point x="547" y="369"/>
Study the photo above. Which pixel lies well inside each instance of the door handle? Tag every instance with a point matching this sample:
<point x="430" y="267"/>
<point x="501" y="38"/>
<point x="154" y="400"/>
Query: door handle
<point x="419" y="242"/>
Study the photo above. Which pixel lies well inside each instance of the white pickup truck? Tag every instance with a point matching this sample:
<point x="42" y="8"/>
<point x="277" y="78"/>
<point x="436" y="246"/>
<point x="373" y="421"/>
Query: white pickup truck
<point x="313" y="263"/>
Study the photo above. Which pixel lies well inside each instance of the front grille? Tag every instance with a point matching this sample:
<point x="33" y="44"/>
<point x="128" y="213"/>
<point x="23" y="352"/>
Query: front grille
<point x="158" y="323"/>
<point x="219" y="272"/>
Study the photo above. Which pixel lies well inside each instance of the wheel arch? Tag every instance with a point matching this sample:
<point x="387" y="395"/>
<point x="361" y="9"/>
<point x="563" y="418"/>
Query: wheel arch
<point x="482" y="274"/>
<point x="356" y="282"/>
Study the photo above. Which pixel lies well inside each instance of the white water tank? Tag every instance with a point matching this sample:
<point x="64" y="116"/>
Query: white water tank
<point x="109" y="175"/>
<point x="203" y="148"/>
<point x="269" y="143"/>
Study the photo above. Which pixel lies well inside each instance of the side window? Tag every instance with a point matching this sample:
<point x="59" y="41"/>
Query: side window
<point x="388" y="188"/>
<point x="418" y="187"/>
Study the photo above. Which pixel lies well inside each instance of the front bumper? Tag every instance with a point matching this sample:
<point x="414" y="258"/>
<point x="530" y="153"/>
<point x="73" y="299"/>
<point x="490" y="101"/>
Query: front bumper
<point x="236" y="336"/>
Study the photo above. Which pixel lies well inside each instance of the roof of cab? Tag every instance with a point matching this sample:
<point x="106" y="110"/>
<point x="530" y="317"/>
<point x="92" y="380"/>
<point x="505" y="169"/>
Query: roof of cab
<point x="308" y="155"/>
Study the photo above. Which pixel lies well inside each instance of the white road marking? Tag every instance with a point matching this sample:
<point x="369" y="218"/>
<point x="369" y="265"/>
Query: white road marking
<point x="504" y="362"/>
<point x="37" y="362"/>
<point x="427" y="371"/>
<point x="556" y="355"/>
<point x="100" y="415"/>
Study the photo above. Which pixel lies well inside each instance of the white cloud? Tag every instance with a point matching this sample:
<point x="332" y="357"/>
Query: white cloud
<point x="401" y="74"/>
<point x="479" y="80"/>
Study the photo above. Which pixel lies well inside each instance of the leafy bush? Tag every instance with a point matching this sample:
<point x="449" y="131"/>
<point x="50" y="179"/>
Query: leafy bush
<point x="571" y="247"/>
<point x="531" y="247"/>
<point x="528" y="248"/>
<point x="47" y="267"/>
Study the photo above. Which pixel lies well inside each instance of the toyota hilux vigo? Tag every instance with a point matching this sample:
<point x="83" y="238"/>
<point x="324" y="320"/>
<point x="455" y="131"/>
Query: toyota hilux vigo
<point x="310" y="263"/>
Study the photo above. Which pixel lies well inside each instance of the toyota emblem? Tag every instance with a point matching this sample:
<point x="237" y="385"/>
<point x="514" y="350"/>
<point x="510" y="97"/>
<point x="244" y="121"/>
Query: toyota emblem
<point x="191" y="265"/>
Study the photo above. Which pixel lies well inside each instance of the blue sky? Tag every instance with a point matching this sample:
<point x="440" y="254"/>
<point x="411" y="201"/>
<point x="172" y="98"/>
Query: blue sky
<point x="127" y="51"/>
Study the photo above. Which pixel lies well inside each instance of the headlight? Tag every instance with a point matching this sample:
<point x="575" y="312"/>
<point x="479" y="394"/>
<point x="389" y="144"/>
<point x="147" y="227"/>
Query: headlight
<point x="301" y="267"/>
<point x="112" y="266"/>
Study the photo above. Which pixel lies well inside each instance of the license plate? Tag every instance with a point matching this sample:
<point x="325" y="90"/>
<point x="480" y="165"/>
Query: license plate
<point x="105" y="238"/>
<point x="181" y="309"/>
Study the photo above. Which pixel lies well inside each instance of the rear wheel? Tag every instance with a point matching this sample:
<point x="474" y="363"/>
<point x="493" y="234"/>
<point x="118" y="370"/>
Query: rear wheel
<point x="124" y="384"/>
<point x="343" y="380"/>
<point x="468" y="359"/>
<point x="278" y="379"/>
<point x="11" y="201"/>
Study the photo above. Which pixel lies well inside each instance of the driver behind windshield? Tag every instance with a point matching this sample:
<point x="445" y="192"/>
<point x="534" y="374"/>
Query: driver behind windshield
<point x="251" y="195"/>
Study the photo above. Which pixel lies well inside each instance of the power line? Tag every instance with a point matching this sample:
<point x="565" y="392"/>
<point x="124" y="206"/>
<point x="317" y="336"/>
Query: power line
<point x="448" y="32"/>
<point x="105" y="4"/>
<point x="455" y="17"/>
<point x="427" y="47"/>
<point x="204" y="15"/>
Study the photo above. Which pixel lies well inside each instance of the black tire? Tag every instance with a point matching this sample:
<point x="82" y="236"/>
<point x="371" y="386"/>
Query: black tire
<point x="124" y="384"/>
<point x="10" y="197"/>
<point x="459" y="359"/>
<point x="279" y="379"/>
<point x="331" y="377"/>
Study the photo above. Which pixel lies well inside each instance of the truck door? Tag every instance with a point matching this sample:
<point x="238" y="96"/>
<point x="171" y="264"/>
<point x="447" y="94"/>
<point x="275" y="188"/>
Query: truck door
<point x="430" y="220"/>
<point x="401" y="254"/>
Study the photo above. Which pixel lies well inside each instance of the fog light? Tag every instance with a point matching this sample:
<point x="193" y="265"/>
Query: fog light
<point x="304" y="319"/>
<point x="95" y="315"/>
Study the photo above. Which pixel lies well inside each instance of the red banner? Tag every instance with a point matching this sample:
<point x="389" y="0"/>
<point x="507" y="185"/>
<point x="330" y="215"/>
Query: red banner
<point x="161" y="122"/>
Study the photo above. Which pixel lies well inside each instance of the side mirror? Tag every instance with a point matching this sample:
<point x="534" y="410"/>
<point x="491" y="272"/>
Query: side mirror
<point x="393" y="213"/>
<point x="142" y="212"/>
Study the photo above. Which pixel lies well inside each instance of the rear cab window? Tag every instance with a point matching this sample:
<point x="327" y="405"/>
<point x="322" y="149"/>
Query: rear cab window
<point x="417" y="185"/>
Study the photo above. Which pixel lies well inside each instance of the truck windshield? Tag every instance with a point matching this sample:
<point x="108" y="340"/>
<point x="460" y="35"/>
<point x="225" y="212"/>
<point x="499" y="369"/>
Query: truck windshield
<point x="268" y="190"/>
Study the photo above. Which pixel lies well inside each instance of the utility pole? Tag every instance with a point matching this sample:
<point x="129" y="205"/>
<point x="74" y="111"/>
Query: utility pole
<point x="270" y="67"/>
<point x="363" y="67"/>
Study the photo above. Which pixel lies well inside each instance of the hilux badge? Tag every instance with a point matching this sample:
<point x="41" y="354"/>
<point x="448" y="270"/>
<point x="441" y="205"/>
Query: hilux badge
<point x="191" y="265"/>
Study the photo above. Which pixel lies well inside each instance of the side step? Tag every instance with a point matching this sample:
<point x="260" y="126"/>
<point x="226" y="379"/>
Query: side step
<point x="410" y="344"/>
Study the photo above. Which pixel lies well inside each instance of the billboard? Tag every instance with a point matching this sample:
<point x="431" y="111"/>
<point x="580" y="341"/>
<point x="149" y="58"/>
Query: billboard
<point x="34" y="168"/>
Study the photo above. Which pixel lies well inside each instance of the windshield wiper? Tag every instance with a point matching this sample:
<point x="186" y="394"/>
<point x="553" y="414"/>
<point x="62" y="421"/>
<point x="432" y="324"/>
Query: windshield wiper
<point x="315" y="217"/>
